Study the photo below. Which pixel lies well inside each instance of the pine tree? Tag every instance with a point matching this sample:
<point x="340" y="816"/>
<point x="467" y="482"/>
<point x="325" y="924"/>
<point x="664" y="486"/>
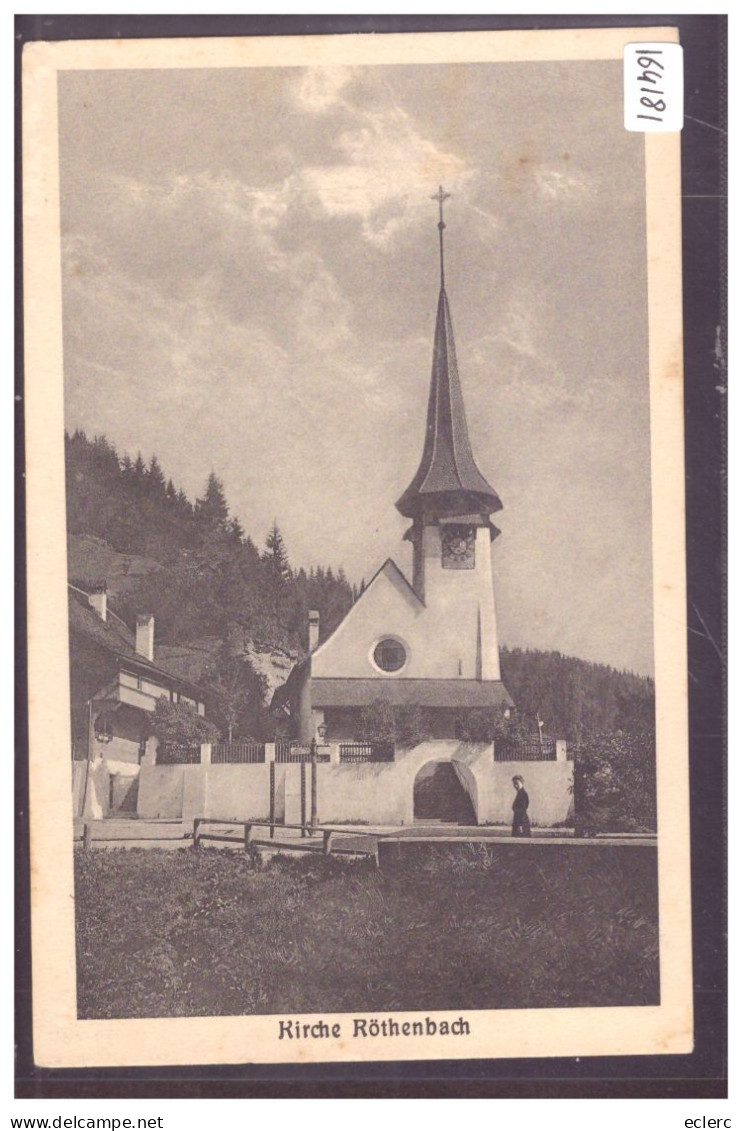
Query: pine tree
<point x="275" y="554"/>
<point x="103" y="455"/>
<point x="155" y="479"/>
<point x="212" y="510"/>
<point x="183" y="504"/>
<point x="235" y="530"/>
<point x="127" y="469"/>
<point x="140" y="473"/>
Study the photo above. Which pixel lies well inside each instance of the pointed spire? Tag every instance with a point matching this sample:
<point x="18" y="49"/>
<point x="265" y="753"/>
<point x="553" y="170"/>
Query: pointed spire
<point x="448" y="481"/>
<point x="440" y="196"/>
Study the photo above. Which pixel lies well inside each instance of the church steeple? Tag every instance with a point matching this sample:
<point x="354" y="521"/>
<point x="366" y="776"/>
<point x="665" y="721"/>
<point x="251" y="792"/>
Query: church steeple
<point x="448" y="481"/>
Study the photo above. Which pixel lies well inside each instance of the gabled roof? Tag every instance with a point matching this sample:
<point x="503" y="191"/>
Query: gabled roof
<point x="115" y="636"/>
<point x="392" y="571"/>
<point x="391" y="567"/>
<point x="447" y="480"/>
<point x="303" y="668"/>
<point x="111" y="633"/>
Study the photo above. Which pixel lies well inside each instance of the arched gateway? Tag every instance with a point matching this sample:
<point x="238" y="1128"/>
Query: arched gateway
<point x="443" y="792"/>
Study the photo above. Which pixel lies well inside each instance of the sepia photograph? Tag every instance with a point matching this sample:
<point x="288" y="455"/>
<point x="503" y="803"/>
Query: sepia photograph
<point x="359" y="433"/>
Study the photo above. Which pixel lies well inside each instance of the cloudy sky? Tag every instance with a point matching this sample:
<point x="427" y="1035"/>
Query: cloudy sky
<point x="250" y="284"/>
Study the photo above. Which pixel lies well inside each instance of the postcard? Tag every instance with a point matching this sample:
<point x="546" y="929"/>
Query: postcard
<point x="356" y="548"/>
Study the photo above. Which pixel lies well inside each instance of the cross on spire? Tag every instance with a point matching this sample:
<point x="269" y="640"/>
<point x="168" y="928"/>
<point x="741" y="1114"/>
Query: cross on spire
<point x="440" y="196"/>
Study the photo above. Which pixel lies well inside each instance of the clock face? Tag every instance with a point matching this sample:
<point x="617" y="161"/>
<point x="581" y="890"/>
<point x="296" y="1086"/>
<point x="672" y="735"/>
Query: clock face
<point x="457" y="547"/>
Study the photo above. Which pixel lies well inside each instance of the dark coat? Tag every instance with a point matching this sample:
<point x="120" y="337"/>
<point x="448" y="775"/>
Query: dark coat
<point x="520" y="803"/>
<point x="521" y="823"/>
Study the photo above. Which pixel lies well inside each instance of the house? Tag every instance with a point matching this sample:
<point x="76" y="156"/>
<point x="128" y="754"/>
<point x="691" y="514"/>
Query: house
<point x="116" y="678"/>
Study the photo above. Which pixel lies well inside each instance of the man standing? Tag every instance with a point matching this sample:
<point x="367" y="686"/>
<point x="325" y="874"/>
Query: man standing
<point x="521" y="823"/>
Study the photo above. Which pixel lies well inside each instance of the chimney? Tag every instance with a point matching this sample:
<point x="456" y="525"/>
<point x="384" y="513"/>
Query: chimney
<point x="313" y="629"/>
<point x="98" y="599"/>
<point x="145" y="639"/>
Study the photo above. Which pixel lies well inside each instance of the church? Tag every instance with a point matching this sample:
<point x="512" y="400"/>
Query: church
<point x="401" y="711"/>
<point x="430" y="640"/>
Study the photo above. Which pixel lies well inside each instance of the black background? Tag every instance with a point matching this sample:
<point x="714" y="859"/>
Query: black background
<point x="701" y="1074"/>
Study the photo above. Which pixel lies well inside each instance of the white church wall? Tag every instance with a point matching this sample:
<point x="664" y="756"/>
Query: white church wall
<point x="460" y="609"/>
<point x="372" y="792"/>
<point x="387" y="608"/>
<point x="440" y="637"/>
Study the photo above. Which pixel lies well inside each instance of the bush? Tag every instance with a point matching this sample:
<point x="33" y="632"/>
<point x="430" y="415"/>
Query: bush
<point x="179" y="724"/>
<point x="481" y="724"/>
<point x="614" y="783"/>
<point x="381" y="722"/>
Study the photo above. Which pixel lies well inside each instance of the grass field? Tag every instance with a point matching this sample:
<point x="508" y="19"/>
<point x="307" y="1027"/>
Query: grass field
<point x="189" y="933"/>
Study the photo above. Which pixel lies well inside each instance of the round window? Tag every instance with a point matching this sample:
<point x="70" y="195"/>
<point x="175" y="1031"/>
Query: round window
<point x="390" y="655"/>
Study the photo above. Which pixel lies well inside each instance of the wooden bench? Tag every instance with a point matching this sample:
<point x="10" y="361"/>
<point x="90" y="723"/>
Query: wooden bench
<point x="247" y="826"/>
<point x="371" y="846"/>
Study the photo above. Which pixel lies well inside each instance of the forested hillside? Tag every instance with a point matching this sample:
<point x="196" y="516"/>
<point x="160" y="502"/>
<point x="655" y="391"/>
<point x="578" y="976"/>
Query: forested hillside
<point x="574" y="698"/>
<point x="212" y="576"/>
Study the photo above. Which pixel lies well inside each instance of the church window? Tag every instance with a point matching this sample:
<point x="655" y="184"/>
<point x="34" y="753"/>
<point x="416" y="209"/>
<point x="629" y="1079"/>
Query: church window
<point x="390" y="655"/>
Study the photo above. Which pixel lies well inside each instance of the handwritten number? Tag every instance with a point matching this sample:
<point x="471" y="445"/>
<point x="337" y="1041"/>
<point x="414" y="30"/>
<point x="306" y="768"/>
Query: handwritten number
<point x="651" y="79"/>
<point x="659" y="105"/>
<point x="645" y="62"/>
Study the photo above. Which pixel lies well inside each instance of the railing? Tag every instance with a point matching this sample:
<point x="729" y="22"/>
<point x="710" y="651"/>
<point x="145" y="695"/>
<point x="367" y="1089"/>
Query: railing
<point x="177" y="755"/>
<point x="238" y="752"/>
<point x="367" y="752"/>
<point x="527" y="750"/>
<point x="298" y="752"/>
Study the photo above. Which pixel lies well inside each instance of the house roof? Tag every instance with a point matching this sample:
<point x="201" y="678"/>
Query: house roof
<point x="111" y="633"/>
<point x="448" y="480"/>
<point x="116" y="637"/>
<point x="410" y="692"/>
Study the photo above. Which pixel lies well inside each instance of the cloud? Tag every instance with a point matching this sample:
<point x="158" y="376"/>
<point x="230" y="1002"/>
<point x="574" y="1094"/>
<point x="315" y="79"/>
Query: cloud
<point x="554" y="184"/>
<point x="383" y="176"/>
<point x="319" y="88"/>
<point x="380" y="171"/>
<point x="387" y="174"/>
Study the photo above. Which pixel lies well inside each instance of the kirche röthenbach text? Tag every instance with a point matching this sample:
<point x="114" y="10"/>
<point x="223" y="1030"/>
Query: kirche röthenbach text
<point x="371" y="1027"/>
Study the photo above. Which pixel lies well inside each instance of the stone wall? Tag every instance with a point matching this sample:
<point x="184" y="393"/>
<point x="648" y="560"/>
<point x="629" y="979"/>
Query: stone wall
<point x="161" y="791"/>
<point x="377" y="793"/>
<point x="374" y="792"/>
